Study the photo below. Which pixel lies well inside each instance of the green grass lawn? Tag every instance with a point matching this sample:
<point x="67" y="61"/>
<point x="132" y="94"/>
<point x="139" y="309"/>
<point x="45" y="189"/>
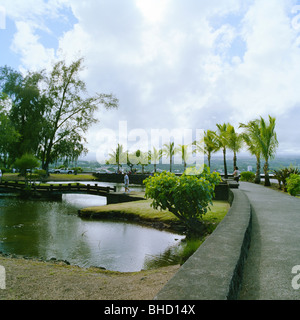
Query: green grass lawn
<point x="143" y="211"/>
<point x="52" y="177"/>
<point x="71" y="177"/>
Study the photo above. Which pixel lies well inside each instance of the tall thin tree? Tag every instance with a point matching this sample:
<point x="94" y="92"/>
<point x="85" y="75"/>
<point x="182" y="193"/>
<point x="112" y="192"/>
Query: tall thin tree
<point x="268" y="143"/>
<point x="235" y="143"/>
<point x="155" y="157"/>
<point x="183" y="151"/>
<point x="169" y="151"/>
<point x="210" y="144"/>
<point x="251" y="136"/>
<point x="222" y="138"/>
<point x="69" y="107"/>
<point x="118" y="156"/>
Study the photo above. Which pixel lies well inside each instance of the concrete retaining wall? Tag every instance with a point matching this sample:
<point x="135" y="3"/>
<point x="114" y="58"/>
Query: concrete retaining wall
<point x="214" y="271"/>
<point x="221" y="190"/>
<point x="119" y="178"/>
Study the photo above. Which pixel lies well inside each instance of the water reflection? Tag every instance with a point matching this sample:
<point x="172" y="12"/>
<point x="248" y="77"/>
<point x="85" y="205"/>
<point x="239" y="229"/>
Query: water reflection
<point x="47" y="229"/>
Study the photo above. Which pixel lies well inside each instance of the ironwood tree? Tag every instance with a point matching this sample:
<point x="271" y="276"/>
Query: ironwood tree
<point x="51" y="111"/>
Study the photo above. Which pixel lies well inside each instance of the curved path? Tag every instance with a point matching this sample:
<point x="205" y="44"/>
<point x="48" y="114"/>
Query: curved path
<point x="275" y="245"/>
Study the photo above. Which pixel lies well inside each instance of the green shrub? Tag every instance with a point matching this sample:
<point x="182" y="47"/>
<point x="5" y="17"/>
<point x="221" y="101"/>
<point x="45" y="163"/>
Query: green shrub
<point x="25" y="163"/>
<point x="283" y="174"/>
<point x="39" y="175"/>
<point x="187" y="197"/>
<point x="293" y="184"/>
<point x="247" y="176"/>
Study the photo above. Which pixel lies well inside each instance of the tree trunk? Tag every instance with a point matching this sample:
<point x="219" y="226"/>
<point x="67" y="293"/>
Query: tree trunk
<point x="194" y="227"/>
<point x="257" y="175"/>
<point x="266" y="171"/>
<point x="208" y="159"/>
<point x="48" y="155"/>
<point x="225" y="165"/>
<point x="234" y="160"/>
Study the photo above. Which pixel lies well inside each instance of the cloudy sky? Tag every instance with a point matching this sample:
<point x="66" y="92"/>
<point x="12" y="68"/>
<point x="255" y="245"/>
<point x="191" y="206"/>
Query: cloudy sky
<point x="171" y="63"/>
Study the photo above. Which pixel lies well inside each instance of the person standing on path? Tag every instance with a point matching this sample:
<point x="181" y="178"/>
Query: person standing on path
<point x="236" y="174"/>
<point x="0" y="176"/>
<point x="126" y="182"/>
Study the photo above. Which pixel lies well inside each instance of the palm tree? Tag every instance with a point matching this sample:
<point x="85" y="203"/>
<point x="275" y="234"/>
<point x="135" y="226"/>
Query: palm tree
<point x="262" y="141"/>
<point x="169" y="151"/>
<point x="116" y="157"/>
<point x="235" y="142"/>
<point x="183" y="150"/>
<point x="251" y="136"/>
<point x="210" y="144"/>
<point x="155" y="157"/>
<point x="268" y="143"/>
<point x="222" y="139"/>
<point x="144" y="159"/>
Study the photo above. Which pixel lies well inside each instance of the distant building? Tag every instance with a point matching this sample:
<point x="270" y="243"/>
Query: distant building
<point x="249" y="168"/>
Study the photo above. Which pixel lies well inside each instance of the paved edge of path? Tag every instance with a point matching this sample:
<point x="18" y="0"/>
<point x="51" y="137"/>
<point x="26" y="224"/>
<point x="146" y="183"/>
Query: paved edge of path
<point x="275" y="245"/>
<point x="214" y="271"/>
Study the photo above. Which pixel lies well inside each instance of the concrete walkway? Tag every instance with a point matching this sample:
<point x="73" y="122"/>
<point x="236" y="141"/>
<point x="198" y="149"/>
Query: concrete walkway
<point x="275" y="245"/>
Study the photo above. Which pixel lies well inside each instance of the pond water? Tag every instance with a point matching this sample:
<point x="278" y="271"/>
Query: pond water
<point x="51" y="229"/>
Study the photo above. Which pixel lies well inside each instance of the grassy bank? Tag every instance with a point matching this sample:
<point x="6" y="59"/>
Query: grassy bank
<point x="142" y="212"/>
<point x="52" y="177"/>
<point x="37" y="280"/>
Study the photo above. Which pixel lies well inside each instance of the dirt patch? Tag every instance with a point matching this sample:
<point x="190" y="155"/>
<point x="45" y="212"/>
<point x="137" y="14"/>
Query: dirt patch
<point x="37" y="280"/>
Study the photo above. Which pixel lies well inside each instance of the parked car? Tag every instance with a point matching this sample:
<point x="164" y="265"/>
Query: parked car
<point x="64" y="170"/>
<point x="104" y="171"/>
<point x="68" y="171"/>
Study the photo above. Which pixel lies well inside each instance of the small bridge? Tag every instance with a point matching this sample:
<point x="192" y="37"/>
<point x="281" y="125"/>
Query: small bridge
<point x="55" y="191"/>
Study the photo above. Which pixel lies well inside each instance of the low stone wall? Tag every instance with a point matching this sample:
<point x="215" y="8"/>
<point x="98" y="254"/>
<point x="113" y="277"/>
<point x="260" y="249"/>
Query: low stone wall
<point x="119" y="178"/>
<point x="221" y="190"/>
<point x="119" y="197"/>
<point x="214" y="271"/>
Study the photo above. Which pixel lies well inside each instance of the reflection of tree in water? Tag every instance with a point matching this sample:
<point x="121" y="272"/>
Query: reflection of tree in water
<point x="169" y="257"/>
<point x="177" y="254"/>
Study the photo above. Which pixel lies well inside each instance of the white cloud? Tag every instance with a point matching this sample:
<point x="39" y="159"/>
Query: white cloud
<point x="174" y="63"/>
<point x="32" y="9"/>
<point x="29" y="17"/>
<point x="153" y="10"/>
<point x="176" y="71"/>
<point x="33" y="54"/>
<point x="264" y="82"/>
